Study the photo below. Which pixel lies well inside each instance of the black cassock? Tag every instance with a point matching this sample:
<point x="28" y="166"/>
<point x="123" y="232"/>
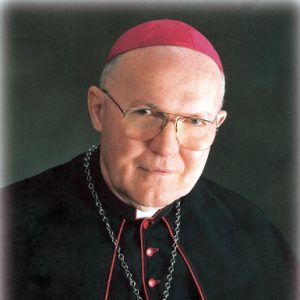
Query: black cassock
<point x="60" y="249"/>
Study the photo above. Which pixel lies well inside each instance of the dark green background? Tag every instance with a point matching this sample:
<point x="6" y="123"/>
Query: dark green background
<point x="53" y="54"/>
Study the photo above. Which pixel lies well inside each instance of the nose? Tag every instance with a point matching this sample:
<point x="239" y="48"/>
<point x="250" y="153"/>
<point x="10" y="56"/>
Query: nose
<point x="165" y="143"/>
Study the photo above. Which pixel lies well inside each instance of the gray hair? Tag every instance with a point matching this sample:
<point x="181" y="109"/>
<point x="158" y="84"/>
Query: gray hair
<point x="107" y="70"/>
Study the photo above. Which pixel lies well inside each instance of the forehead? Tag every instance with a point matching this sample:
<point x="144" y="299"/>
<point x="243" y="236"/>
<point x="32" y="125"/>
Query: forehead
<point x="167" y="76"/>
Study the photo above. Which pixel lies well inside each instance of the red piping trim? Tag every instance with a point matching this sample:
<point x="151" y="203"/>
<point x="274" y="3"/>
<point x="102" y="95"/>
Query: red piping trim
<point x="142" y="256"/>
<point x="186" y="261"/>
<point x="113" y="260"/>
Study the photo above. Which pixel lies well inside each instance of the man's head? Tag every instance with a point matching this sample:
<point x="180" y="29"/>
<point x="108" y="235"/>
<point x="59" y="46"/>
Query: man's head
<point x="154" y="172"/>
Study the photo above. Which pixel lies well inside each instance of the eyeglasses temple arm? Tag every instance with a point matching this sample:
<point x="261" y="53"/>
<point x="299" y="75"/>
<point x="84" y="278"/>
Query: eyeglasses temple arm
<point x="111" y="98"/>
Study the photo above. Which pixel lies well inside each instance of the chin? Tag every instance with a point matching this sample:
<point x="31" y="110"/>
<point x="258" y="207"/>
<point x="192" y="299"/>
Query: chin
<point x="154" y="199"/>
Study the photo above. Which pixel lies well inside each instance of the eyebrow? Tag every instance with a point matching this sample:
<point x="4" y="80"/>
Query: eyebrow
<point x="141" y="104"/>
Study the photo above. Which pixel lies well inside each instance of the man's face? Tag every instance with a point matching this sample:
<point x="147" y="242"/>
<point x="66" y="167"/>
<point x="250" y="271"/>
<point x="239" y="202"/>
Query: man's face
<point x="154" y="173"/>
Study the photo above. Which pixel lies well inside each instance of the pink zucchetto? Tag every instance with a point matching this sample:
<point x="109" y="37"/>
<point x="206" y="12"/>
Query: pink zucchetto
<point x="163" y="33"/>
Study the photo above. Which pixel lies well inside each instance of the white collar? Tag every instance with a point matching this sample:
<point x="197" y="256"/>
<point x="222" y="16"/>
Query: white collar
<point x="139" y="214"/>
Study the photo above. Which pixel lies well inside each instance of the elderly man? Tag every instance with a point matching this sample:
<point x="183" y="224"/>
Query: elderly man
<point x="131" y="219"/>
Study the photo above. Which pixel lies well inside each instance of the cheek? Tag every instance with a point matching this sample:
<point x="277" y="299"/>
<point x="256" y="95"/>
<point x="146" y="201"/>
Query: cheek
<point x="194" y="163"/>
<point x="119" y="154"/>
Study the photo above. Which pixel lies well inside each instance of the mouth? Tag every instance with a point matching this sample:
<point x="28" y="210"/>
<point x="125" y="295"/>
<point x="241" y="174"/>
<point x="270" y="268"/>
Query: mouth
<point x="157" y="171"/>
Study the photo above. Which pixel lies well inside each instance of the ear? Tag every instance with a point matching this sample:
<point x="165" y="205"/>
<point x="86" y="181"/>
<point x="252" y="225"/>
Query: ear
<point x="96" y="106"/>
<point x="221" y="116"/>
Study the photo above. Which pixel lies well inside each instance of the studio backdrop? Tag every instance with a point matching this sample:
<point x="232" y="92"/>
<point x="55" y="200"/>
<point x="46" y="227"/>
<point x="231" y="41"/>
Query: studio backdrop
<point x="54" y="53"/>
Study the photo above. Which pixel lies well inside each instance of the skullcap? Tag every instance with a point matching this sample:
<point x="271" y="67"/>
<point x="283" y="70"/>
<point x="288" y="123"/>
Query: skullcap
<point x="162" y="33"/>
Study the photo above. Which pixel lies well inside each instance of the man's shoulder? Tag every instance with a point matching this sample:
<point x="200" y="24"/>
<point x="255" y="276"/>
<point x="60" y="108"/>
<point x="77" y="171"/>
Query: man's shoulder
<point x="53" y="175"/>
<point x="224" y="226"/>
<point x="221" y="203"/>
<point x="217" y="194"/>
<point x="61" y="181"/>
<point x="52" y="199"/>
<point x="228" y="216"/>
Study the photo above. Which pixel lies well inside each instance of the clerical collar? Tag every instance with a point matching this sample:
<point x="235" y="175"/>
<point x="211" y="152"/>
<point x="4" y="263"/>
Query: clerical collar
<point x="140" y="214"/>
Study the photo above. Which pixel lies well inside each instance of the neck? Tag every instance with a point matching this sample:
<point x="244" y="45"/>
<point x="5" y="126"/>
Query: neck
<point x="130" y="202"/>
<point x="121" y="196"/>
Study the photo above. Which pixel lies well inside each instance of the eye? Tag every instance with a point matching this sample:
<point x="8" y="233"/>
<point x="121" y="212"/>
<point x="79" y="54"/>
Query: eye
<point x="144" y="112"/>
<point x="197" y="122"/>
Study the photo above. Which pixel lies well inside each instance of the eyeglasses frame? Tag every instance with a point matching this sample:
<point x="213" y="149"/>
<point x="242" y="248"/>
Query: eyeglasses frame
<point x="166" y="114"/>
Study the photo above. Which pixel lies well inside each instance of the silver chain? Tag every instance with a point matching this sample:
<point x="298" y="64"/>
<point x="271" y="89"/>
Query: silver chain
<point x="121" y="256"/>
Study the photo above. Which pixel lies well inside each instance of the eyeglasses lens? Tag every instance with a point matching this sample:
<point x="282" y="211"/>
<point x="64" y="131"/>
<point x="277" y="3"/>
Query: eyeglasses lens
<point x="141" y="124"/>
<point x="144" y="124"/>
<point x="195" y="137"/>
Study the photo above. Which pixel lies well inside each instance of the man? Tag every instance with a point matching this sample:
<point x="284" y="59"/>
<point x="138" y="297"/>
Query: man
<point x="133" y="219"/>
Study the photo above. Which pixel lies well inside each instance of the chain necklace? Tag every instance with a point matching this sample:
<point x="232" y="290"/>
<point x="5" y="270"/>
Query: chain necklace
<point x="121" y="256"/>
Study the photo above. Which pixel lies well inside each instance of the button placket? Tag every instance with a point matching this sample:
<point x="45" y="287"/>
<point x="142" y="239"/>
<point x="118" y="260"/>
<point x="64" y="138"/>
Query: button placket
<point x="148" y="252"/>
<point x="143" y="229"/>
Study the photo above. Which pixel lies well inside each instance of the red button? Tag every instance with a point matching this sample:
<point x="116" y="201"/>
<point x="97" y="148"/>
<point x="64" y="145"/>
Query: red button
<point x="151" y="251"/>
<point x="152" y="282"/>
<point x="146" y="224"/>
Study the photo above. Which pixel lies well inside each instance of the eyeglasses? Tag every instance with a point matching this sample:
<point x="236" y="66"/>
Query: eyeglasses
<point x="144" y="123"/>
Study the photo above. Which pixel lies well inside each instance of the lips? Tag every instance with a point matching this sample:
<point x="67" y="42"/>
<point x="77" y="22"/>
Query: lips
<point x="158" y="171"/>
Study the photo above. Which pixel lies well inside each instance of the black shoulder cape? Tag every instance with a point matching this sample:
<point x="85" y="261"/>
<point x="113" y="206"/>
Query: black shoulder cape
<point x="58" y="247"/>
